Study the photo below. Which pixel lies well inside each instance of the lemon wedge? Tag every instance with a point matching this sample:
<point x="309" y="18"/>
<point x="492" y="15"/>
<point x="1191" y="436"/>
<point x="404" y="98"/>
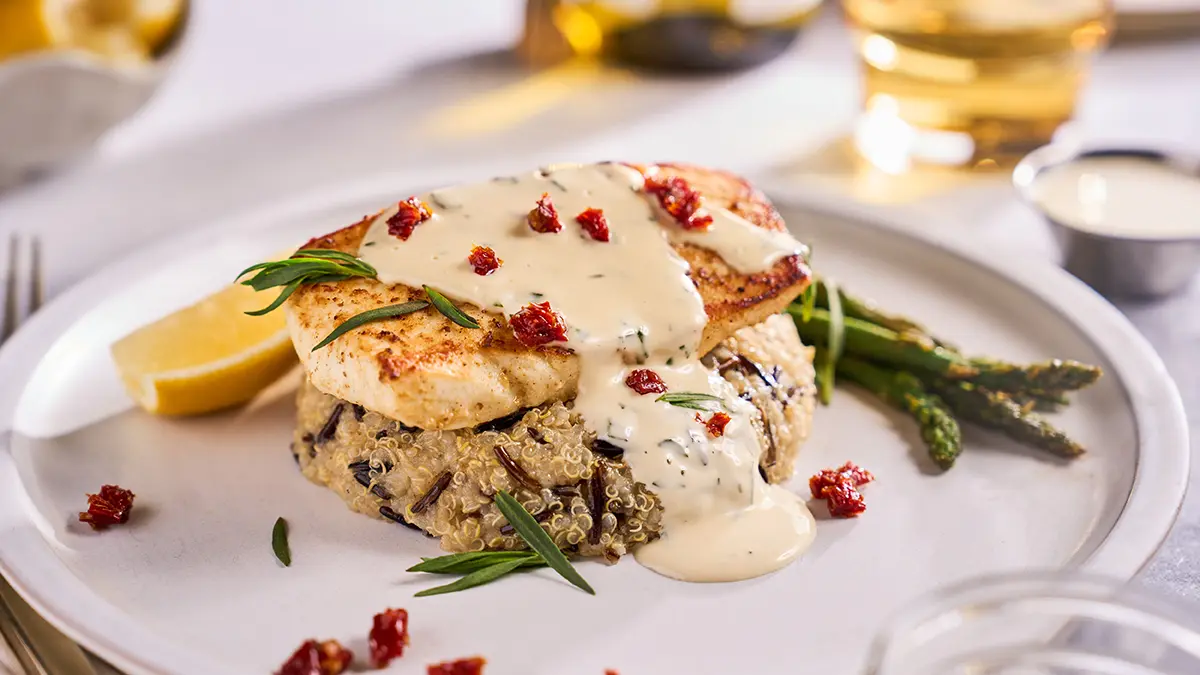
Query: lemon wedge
<point x="208" y="356"/>
<point x="30" y="25"/>
<point x="124" y="31"/>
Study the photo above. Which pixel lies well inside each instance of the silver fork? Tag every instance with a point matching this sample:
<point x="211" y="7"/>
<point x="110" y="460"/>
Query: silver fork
<point x="39" y="648"/>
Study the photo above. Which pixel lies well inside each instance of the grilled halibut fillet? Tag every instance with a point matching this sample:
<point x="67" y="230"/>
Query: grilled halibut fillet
<point x="427" y="372"/>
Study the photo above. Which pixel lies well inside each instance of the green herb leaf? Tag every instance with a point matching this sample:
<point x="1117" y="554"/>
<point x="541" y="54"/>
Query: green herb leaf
<point x="538" y="540"/>
<point x="331" y="254"/>
<point x="282" y="275"/>
<point x="465" y="563"/>
<point x="279" y="542"/>
<point x="310" y="266"/>
<point x="279" y="299"/>
<point x="808" y="301"/>
<point x="834" y="341"/>
<point x="379" y="314"/>
<point x="479" y="577"/>
<point x="251" y="268"/>
<point x="689" y="400"/>
<point x="443" y="305"/>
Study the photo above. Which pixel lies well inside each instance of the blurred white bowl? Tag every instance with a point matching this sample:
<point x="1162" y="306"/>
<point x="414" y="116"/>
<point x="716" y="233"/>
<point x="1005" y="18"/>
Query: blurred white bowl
<point x="55" y="105"/>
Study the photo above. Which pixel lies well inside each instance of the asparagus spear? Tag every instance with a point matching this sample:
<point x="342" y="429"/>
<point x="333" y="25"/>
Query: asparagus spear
<point x="835" y="340"/>
<point x="1050" y="377"/>
<point x="903" y="390"/>
<point x="873" y="342"/>
<point x="861" y="308"/>
<point x="1040" y="401"/>
<point x="999" y="411"/>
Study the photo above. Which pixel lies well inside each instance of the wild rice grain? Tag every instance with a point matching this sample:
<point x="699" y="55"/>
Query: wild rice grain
<point x="595" y="498"/>
<point x="501" y="423"/>
<point x="607" y="449"/>
<point x="435" y="491"/>
<point x="541" y="517"/>
<point x="331" y="425"/>
<point x="390" y="514"/>
<point x="515" y="469"/>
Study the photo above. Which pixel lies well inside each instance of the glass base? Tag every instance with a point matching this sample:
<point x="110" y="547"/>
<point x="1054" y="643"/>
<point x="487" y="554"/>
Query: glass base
<point x="1051" y="623"/>
<point x="894" y="146"/>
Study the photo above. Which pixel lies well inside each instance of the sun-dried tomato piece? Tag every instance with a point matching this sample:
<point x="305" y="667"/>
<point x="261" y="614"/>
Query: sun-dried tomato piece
<point x="594" y="223"/>
<point x="839" y="488"/>
<point x="849" y="472"/>
<point x="716" y="424"/>
<point x="610" y="671"/>
<point x="645" y="381"/>
<point x="537" y="324"/>
<point x="484" y="260"/>
<point x="844" y="500"/>
<point x="544" y="217"/>
<point x="470" y="666"/>
<point x="388" y="637"/>
<point x="110" y="507"/>
<point x="318" y="658"/>
<point x="410" y="213"/>
<point x="679" y="200"/>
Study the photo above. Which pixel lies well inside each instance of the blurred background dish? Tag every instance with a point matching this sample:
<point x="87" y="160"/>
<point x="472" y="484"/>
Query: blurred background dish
<point x="72" y="69"/>
<point x="1124" y="218"/>
<point x="678" y="35"/>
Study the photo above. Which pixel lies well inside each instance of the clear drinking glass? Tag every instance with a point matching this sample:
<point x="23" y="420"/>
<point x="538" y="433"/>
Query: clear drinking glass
<point x="1039" y="624"/>
<point x="970" y="82"/>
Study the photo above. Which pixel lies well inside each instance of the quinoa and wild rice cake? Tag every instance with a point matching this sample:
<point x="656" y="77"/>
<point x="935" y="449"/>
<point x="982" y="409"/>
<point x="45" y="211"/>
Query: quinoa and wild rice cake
<point x="423" y="416"/>
<point x="443" y="482"/>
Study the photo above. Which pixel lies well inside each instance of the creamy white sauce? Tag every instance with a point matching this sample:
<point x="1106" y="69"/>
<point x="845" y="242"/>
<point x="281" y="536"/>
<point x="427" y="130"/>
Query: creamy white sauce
<point x="628" y="303"/>
<point x="1124" y="196"/>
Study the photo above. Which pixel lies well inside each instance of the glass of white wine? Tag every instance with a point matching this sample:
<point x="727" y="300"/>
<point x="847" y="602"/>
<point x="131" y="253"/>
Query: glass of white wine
<point x="1040" y="623"/>
<point x="970" y="82"/>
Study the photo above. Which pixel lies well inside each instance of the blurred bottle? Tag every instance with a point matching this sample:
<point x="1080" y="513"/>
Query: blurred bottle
<point x="122" y="31"/>
<point x="962" y="82"/>
<point x="672" y="35"/>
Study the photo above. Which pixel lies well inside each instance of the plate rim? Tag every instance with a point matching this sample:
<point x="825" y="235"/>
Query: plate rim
<point x="1150" y="510"/>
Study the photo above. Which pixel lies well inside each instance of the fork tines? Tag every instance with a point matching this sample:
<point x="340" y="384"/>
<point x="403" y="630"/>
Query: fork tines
<point x="13" y="280"/>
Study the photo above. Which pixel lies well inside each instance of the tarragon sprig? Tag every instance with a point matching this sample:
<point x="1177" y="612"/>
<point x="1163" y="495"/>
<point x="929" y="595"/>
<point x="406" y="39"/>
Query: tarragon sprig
<point x="690" y="400"/>
<point x="482" y="567"/>
<point x="306" y="266"/>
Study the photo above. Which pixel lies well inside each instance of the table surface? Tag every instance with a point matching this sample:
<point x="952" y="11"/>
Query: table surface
<point x="272" y="98"/>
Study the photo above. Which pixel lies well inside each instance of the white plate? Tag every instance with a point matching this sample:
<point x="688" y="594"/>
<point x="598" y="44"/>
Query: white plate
<point x="190" y="585"/>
